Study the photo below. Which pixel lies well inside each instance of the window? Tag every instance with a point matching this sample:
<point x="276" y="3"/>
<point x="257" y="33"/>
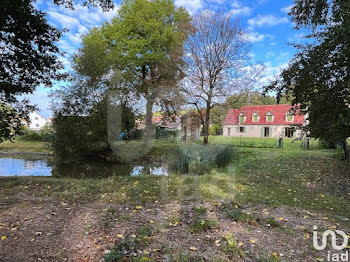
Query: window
<point x="289" y="118"/>
<point x="266" y="132"/>
<point x="288" y="132"/>
<point x="241" y="118"/>
<point x="255" y="117"/>
<point x="37" y="125"/>
<point x="269" y="117"/>
<point x="241" y="129"/>
<point x="36" y="118"/>
<point x="228" y="131"/>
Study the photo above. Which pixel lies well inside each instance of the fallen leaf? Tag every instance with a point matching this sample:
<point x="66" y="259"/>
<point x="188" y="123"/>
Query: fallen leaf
<point x="3" y="237"/>
<point x="275" y="255"/>
<point x="138" y="207"/>
<point x="120" y="236"/>
<point x="151" y="221"/>
<point x="252" y="241"/>
<point x="240" y="244"/>
<point x="193" y="248"/>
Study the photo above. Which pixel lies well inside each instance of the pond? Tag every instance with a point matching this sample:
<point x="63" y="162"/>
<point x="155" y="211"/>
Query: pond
<point x="43" y="166"/>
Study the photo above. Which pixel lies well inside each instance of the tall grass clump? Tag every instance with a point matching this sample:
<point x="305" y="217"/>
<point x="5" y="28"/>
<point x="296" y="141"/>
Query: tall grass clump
<point x="200" y="159"/>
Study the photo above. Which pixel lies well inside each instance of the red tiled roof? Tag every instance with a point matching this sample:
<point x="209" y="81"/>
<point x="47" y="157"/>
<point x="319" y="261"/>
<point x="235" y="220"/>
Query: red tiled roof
<point x="278" y="111"/>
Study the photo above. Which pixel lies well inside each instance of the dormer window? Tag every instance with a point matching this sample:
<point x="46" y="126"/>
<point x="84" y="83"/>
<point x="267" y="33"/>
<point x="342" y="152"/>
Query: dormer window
<point x="241" y="118"/>
<point x="269" y="117"/>
<point x="289" y="117"/>
<point x="255" y="117"/>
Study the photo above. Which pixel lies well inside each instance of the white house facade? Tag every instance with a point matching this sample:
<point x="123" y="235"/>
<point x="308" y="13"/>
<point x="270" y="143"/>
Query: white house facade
<point x="37" y="121"/>
<point x="263" y="121"/>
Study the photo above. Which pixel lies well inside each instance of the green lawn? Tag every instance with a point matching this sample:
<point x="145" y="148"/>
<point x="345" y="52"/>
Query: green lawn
<point x="261" y="142"/>
<point x="289" y="189"/>
<point x="25" y="147"/>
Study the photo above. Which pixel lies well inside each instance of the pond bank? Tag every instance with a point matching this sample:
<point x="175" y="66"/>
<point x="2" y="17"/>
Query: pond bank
<point x="25" y="148"/>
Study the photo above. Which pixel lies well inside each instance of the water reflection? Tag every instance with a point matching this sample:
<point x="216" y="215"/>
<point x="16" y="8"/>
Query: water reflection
<point x="24" y="167"/>
<point x="157" y="171"/>
<point x="12" y="166"/>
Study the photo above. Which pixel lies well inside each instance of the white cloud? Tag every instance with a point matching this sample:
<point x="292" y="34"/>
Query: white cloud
<point x="245" y="10"/>
<point x="268" y="20"/>
<point x="191" y="6"/>
<point x="235" y="4"/>
<point x="64" y="20"/>
<point x="76" y="38"/>
<point x="271" y="72"/>
<point x="255" y="37"/>
<point x="286" y="9"/>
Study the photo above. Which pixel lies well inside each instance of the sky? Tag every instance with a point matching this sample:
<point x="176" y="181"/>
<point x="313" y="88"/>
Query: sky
<point x="266" y="21"/>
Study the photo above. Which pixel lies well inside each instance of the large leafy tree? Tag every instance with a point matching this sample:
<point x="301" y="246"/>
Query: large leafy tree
<point x="28" y="57"/>
<point x="144" y="43"/>
<point x="318" y="77"/>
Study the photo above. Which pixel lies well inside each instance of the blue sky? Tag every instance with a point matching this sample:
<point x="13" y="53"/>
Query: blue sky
<point x="266" y="21"/>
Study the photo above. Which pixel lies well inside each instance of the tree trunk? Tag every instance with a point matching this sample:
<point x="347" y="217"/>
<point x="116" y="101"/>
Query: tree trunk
<point x="149" y="113"/>
<point x="345" y="149"/>
<point x="206" y="125"/>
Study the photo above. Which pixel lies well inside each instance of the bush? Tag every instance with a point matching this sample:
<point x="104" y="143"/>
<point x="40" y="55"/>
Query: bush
<point x="215" y="130"/>
<point x="30" y="135"/>
<point x="46" y="134"/>
<point x="200" y="159"/>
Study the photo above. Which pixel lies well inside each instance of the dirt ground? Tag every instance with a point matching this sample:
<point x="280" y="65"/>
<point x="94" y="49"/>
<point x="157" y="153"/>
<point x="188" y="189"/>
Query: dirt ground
<point x="38" y="229"/>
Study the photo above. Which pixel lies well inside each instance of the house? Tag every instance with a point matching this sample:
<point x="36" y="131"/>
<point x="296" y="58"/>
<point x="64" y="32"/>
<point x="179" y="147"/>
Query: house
<point x="37" y="121"/>
<point x="190" y="126"/>
<point x="170" y="123"/>
<point x="262" y="121"/>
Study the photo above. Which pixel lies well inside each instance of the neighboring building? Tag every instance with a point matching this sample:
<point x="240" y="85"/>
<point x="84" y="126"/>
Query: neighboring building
<point x="190" y="126"/>
<point x="37" y="121"/>
<point x="167" y="124"/>
<point x="262" y="121"/>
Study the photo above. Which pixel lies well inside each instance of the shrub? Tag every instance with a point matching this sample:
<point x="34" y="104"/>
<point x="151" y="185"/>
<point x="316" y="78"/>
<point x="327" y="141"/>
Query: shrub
<point x="46" y="134"/>
<point x="30" y="135"/>
<point x="200" y="159"/>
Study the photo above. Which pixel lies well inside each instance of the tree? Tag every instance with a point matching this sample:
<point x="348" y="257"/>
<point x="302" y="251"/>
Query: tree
<point x="28" y="57"/>
<point x="82" y="114"/>
<point x="318" y="77"/>
<point x="144" y="42"/>
<point x="217" y="56"/>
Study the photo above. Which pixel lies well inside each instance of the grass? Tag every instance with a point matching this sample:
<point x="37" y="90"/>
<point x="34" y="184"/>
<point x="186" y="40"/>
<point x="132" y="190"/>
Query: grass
<point x="200" y="225"/>
<point x="260" y="142"/>
<point x="25" y="147"/>
<point x="313" y="180"/>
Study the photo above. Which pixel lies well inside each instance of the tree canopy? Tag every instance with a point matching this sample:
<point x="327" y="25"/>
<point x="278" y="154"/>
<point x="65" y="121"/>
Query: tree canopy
<point x="144" y="43"/>
<point x="28" y="56"/>
<point x="318" y="78"/>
